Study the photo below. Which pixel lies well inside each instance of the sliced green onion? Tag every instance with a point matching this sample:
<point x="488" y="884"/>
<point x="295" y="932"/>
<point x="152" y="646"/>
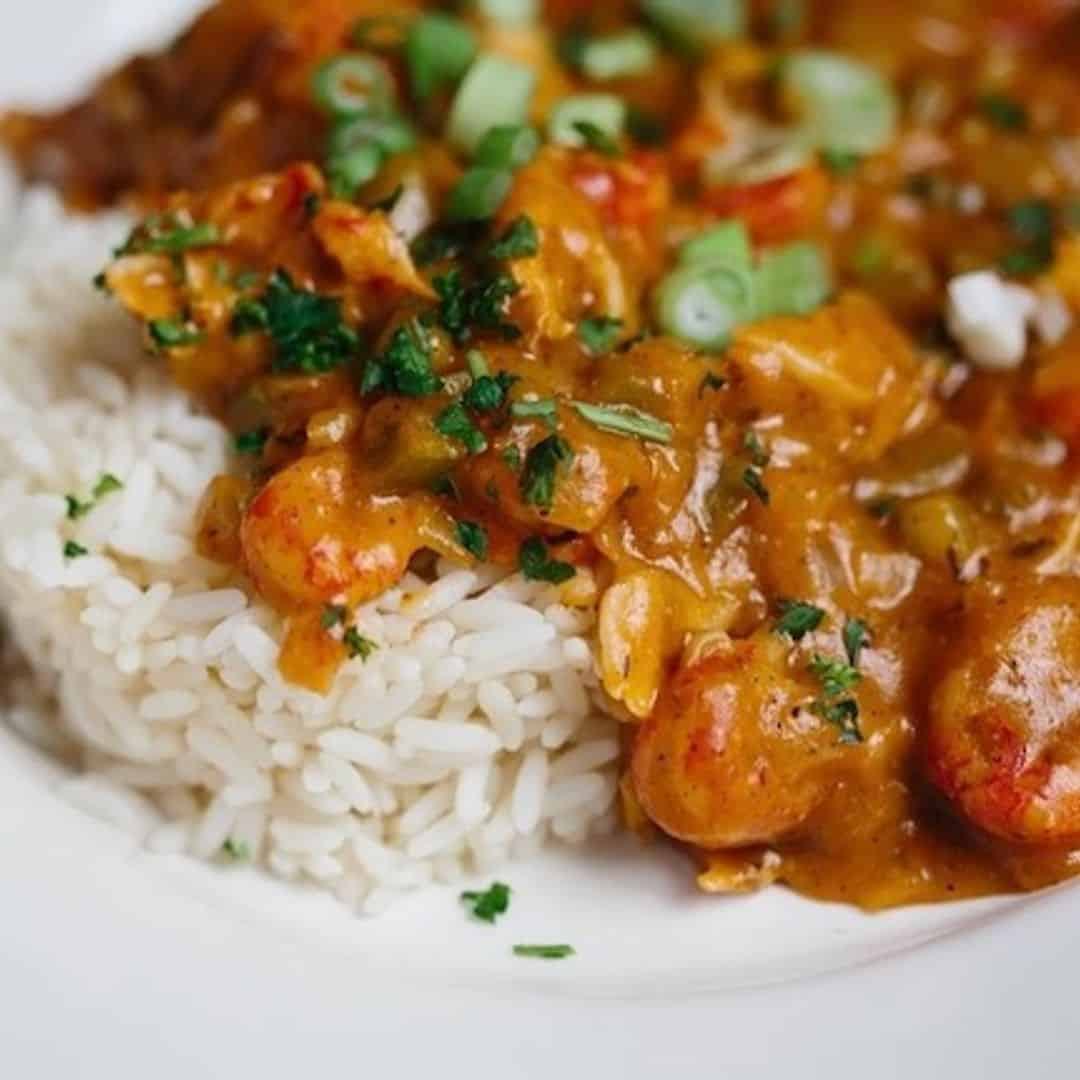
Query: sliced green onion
<point x="479" y="194"/>
<point x="438" y="49"/>
<point x="767" y="155"/>
<point x="509" y="12"/>
<point x="702" y="305"/>
<point x="605" y="113"/>
<point x="794" y="280"/>
<point x="545" y="409"/>
<point x="351" y="171"/>
<point x="495" y="92"/>
<point x="511" y="146"/>
<point x="353" y="83"/>
<point x="727" y="244"/>
<point x="392" y="133"/>
<point x="845" y="105"/>
<point x="619" y="56"/>
<point x="626" y="420"/>
<point x="693" y="23"/>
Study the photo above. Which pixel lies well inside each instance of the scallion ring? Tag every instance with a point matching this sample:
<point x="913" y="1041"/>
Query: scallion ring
<point x="511" y="146"/>
<point x="604" y="112"/>
<point x="725" y="244"/>
<point x="845" y="106"/>
<point x="479" y="194"/>
<point x="619" y="56"/>
<point x="510" y="12"/>
<point x="352" y="83"/>
<point x="438" y="49"/>
<point x="495" y="92"/>
<point x="794" y="280"/>
<point x="702" y="305"/>
<point x="392" y="133"/>
<point x="348" y="172"/>
<point x="693" y="23"/>
<point x="762" y="155"/>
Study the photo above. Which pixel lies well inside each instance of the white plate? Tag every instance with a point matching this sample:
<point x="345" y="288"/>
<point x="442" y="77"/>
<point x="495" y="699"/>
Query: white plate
<point x="122" y="965"/>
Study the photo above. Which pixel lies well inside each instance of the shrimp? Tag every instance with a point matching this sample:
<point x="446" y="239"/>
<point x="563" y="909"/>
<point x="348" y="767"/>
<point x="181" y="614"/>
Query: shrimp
<point x="314" y="535"/>
<point x="731" y="756"/>
<point x="1003" y="732"/>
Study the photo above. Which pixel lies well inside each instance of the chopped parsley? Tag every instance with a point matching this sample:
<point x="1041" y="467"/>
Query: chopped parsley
<point x="173" y="333"/>
<point x="488" y="392"/>
<point x="168" y="235"/>
<point x="841" y="163"/>
<point x="405" y="366"/>
<point x="236" y="849"/>
<point x="1004" y="112"/>
<point x="480" y="306"/>
<point x="759" y="456"/>
<point x="520" y="240"/>
<point x="541" y="468"/>
<point x="600" y="333"/>
<point x="333" y="615"/>
<point x="545" y="952"/>
<point x="487" y="906"/>
<point x="106" y="485"/>
<point x="753" y="480"/>
<point x="597" y="139"/>
<point x="798" y="618"/>
<point x="473" y="538"/>
<point x="455" y="423"/>
<point x="443" y="242"/>
<point x="856" y="637"/>
<point x="545" y="409"/>
<point x="251" y="442"/>
<point x="307" y="328"/>
<point x="511" y="457"/>
<point x="626" y="420"/>
<point x="711" y="382"/>
<point x="74" y="551"/>
<point x="537" y="565"/>
<point x="1032" y="223"/>
<point x="843" y="715"/>
<point x="358" y="645"/>
<point x="836" y="676"/>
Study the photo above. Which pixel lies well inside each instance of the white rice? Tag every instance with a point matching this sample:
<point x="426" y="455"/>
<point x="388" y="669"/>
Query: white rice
<point x="473" y="735"/>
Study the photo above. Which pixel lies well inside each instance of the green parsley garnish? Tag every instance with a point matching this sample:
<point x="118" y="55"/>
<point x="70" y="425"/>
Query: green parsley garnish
<point x="333" y="615"/>
<point x="1004" y="112"/>
<point x="711" y="382"/>
<point x="597" y="139"/>
<point x="545" y="409"/>
<point x="487" y="906"/>
<point x="106" y="485"/>
<point x="545" y="952"/>
<point x="520" y="240"/>
<point x="843" y="715"/>
<point x="537" y="565"/>
<point x="841" y="163"/>
<point x="473" y="538"/>
<point x="511" y="457"/>
<point x="74" y="551"/>
<point x="487" y="393"/>
<point x="167" y="235"/>
<point x="173" y="333"/>
<point x="455" y="423"/>
<point x="835" y="676"/>
<point x="753" y="480"/>
<point x="798" y="618"/>
<point x="541" y="468"/>
<point x="600" y="334"/>
<point x="405" y="366"/>
<point x="465" y="309"/>
<point x="358" y="645"/>
<point x="626" y="420"/>
<point x="308" y="330"/>
<point x="236" y="849"/>
<point x="759" y="456"/>
<point x="1032" y="223"/>
<point x="856" y="636"/>
<point x="251" y="442"/>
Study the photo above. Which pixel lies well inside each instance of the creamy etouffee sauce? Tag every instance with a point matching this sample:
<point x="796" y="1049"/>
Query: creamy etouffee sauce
<point x="749" y="325"/>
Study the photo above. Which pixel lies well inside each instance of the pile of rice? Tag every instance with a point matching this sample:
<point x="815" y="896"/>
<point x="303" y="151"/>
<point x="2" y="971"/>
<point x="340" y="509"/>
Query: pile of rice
<point x="473" y="735"/>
